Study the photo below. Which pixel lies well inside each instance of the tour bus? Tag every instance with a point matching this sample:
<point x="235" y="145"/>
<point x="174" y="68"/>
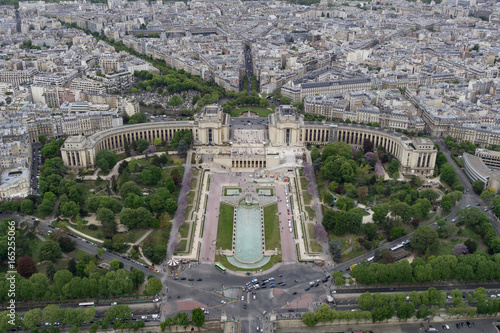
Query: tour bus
<point x="85" y="305"/>
<point x="220" y="268"/>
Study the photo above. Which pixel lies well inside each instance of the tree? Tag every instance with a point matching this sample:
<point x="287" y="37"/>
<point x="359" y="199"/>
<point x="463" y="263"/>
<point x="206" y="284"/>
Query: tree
<point x="198" y="317"/>
<point x="50" y="270"/>
<point x="70" y="209"/>
<point x="129" y="187"/>
<point x="380" y="212"/>
<point x="344" y="203"/>
<point x="446" y="202"/>
<point x="309" y="319"/>
<point x="448" y="174"/>
<point x="105" y="215"/>
<point x="26" y="206"/>
<point x="145" y="177"/>
<point x="32" y="318"/>
<point x="459" y="249"/>
<point x="26" y="266"/>
<point x="478" y="186"/>
<point x="367" y="145"/>
<point x="393" y="166"/>
<point x="429" y="194"/>
<point x="142" y="145"/>
<point x="362" y="192"/>
<point x="182" y="148"/>
<point x="471" y="245"/>
<point x="137" y="276"/>
<point x="50" y="250"/>
<point x="447" y="229"/>
<point x="153" y="286"/>
<point x="170" y="205"/>
<point x="336" y="249"/>
<point x="365" y="301"/>
<point x="370" y="230"/>
<point x="425" y="238"/>
<point x="118" y="312"/>
<point x="42" y="139"/>
<point x="106" y="160"/>
<point x="115" y="264"/>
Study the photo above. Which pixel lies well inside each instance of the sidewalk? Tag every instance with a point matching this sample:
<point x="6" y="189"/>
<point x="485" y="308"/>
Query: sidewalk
<point x="303" y="255"/>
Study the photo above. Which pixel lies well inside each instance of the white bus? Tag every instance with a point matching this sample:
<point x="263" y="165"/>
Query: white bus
<point x="85" y="305"/>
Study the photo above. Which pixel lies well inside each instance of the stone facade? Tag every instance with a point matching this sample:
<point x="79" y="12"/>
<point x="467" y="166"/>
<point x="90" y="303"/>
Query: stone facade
<point x="286" y="128"/>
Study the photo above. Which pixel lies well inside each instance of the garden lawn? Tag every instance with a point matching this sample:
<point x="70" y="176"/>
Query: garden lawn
<point x="262" y="112"/>
<point x="225" y="227"/>
<point x="77" y="254"/>
<point x="445" y="247"/>
<point x="182" y="247"/>
<point x="191" y="197"/>
<point x="271" y="227"/>
<point x="35" y="244"/>
<point x="311" y="213"/>
<point x="184" y="230"/>
<point x="467" y="232"/>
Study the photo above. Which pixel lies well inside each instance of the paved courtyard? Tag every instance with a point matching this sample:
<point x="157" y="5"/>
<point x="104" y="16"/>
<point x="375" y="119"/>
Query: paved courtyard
<point x="247" y="184"/>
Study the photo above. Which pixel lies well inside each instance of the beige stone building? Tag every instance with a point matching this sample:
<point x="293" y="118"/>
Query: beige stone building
<point x="285" y="128"/>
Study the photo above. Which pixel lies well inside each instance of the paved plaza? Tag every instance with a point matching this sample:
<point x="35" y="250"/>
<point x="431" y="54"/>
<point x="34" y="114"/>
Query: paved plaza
<point x="247" y="185"/>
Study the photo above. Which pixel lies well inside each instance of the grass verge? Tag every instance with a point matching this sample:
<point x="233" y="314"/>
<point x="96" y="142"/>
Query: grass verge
<point x="271" y="227"/>
<point x="225" y="227"/>
<point x="184" y="230"/>
<point x="262" y="112"/>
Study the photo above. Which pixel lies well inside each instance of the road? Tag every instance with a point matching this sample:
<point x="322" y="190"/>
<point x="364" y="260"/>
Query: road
<point x="473" y="198"/>
<point x="34" y="167"/>
<point x="248" y="66"/>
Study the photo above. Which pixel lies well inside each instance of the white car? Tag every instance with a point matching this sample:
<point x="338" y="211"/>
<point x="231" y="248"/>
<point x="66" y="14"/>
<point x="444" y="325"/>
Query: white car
<point x="114" y="303"/>
<point x="242" y="298"/>
<point x="223" y="302"/>
<point x="144" y="317"/>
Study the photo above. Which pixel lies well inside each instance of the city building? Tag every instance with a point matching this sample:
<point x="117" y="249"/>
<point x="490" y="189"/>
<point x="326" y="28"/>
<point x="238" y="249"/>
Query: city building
<point x="286" y="128"/>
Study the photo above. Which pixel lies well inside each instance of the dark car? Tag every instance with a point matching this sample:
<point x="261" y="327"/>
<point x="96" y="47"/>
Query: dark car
<point x="291" y="310"/>
<point x="183" y="278"/>
<point x="469" y="324"/>
<point x="462" y="324"/>
<point x="316" y="285"/>
<point x="294" y="293"/>
<point x="307" y="289"/>
<point x="244" y="306"/>
<point x="458" y="325"/>
<point x="199" y="279"/>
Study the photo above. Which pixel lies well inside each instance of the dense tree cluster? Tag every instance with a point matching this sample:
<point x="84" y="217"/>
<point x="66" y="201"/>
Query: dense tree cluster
<point x="464" y="146"/>
<point x="470" y="267"/>
<point x="325" y="314"/>
<point x="106" y="160"/>
<point x="473" y="218"/>
<point x="87" y="281"/>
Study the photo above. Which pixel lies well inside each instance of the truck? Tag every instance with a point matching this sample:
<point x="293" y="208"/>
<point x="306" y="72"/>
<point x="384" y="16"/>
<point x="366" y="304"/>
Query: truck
<point x="329" y="299"/>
